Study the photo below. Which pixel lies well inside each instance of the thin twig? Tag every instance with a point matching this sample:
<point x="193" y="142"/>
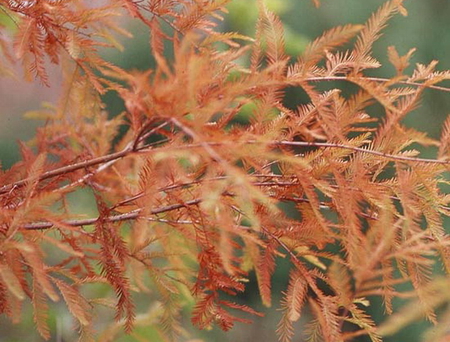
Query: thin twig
<point x="214" y="155"/>
<point x="144" y="133"/>
<point x="67" y="169"/>
<point x="202" y="181"/>
<point x="128" y="150"/>
<point x="207" y="145"/>
<point x="376" y="79"/>
<point x="134" y="214"/>
<point x="360" y="149"/>
<point x="293" y="256"/>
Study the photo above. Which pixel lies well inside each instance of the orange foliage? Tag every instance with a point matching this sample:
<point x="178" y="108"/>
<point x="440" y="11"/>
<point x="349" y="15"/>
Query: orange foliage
<point x="188" y="199"/>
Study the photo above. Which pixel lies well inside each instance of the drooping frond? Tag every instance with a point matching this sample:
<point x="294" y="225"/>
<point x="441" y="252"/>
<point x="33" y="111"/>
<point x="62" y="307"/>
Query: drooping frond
<point x="326" y="313"/>
<point x="272" y="35"/>
<point x="445" y="139"/>
<point x="40" y="310"/>
<point x="292" y="305"/>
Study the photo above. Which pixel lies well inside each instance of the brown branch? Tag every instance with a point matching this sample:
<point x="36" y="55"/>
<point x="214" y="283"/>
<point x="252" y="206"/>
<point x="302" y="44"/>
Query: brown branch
<point x="206" y="146"/>
<point x="167" y="21"/>
<point x="66" y="169"/>
<point x="144" y="149"/>
<point x="376" y="79"/>
<point x="144" y="133"/>
<point x="359" y="149"/>
<point x="129" y="149"/>
<point x="134" y="214"/>
<point x="202" y="181"/>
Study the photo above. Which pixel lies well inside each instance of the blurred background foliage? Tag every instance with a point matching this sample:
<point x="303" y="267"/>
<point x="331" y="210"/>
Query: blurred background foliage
<point x="427" y="28"/>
